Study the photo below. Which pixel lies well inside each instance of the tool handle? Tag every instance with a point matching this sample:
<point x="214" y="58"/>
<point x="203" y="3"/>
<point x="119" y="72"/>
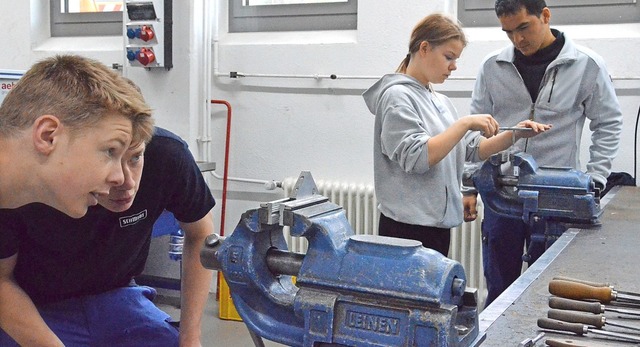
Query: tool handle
<point x="563" y="343"/>
<point x="589" y="283"/>
<point x="575" y="305"/>
<point x="579" y="291"/>
<point x="597" y="321"/>
<point x="553" y="324"/>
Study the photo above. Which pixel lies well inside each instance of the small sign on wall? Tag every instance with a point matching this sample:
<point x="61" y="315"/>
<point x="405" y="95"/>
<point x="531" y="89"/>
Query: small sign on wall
<point x="8" y="79"/>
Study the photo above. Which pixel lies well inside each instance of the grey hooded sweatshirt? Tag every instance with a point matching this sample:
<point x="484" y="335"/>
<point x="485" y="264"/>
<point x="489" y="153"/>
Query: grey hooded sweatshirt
<point x="408" y="190"/>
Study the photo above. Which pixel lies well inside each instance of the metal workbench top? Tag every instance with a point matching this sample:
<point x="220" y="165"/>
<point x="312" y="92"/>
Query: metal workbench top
<point x="610" y="253"/>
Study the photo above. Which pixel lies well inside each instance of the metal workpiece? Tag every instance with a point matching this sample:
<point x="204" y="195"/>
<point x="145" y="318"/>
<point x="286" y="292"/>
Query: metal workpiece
<point x="515" y="128"/>
<point x="513" y="131"/>
<point x="350" y="290"/>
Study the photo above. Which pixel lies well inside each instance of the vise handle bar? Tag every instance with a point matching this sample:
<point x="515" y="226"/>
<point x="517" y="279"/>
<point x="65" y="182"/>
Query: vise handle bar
<point x="282" y="262"/>
<point x="279" y="262"/>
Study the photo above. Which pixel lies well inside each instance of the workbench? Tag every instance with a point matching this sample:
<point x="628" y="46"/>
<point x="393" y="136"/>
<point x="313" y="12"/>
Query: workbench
<point x="609" y="253"/>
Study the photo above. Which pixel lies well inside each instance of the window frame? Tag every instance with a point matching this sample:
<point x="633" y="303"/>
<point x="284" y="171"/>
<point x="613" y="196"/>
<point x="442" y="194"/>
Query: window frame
<point x="481" y="13"/>
<point x="294" y="17"/>
<point x="84" y="24"/>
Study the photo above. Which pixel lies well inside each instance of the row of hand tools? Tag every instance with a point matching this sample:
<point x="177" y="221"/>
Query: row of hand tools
<point x="580" y="307"/>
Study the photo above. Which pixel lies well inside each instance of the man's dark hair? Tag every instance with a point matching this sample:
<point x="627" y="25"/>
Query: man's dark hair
<point x="510" y="7"/>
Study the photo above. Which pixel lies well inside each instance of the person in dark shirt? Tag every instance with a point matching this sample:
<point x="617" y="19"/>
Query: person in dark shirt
<point x="72" y="280"/>
<point x="64" y="128"/>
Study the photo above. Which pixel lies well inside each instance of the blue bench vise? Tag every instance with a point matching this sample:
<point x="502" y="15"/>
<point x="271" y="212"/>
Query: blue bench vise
<point x="549" y="199"/>
<point x="350" y="290"/>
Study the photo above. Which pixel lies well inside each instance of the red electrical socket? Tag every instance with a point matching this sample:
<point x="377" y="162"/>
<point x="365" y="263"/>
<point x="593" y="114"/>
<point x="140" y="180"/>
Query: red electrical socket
<point x="147" y="33"/>
<point x="146" y="56"/>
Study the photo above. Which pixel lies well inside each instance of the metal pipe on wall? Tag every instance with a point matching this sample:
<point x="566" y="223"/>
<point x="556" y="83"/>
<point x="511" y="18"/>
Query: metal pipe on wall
<point x="226" y="164"/>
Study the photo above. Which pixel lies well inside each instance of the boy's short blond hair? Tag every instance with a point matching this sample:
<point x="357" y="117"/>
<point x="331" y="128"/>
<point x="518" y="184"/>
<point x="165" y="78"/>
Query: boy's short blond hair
<point x="79" y="91"/>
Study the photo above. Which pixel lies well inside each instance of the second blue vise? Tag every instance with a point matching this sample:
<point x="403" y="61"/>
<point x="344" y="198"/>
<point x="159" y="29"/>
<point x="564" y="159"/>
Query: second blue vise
<point x="513" y="185"/>
<point x="350" y="290"/>
<point x="548" y="199"/>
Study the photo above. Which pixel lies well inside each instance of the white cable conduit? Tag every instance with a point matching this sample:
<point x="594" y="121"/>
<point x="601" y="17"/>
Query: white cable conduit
<point x="211" y="36"/>
<point x="268" y="185"/>
<point x="205" y="122"/>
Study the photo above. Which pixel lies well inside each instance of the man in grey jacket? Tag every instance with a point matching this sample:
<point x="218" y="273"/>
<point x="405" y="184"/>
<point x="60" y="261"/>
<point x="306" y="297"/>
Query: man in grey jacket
<point x="544" y="77"/>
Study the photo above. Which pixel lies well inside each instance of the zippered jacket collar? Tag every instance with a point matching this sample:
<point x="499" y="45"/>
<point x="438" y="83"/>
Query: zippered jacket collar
<point x="568" y="54"/>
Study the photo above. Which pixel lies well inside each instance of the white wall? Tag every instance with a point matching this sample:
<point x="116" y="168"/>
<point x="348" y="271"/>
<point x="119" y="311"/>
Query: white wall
<point x="281" y="126"/>
<point x="284" y="125"/>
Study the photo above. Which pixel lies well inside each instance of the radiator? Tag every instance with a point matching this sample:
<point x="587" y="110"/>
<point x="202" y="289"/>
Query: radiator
<point x="466" y="248"/>
<point x="360" y="205"/>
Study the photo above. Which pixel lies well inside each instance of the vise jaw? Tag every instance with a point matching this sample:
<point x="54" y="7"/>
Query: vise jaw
<point x="350" y="290"/>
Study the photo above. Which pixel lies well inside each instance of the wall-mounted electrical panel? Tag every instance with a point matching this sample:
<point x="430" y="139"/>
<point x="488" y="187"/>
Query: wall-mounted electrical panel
<point x="148" y="33"/>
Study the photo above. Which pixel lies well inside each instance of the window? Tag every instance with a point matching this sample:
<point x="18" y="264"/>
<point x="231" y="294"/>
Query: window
<point x="292" y="15"/>
<point x="477" y="13"/>
<point x="86" y="17"/>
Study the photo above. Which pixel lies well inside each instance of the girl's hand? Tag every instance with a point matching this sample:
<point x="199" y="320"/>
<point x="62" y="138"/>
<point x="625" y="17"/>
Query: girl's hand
<point x="484" y="123"/>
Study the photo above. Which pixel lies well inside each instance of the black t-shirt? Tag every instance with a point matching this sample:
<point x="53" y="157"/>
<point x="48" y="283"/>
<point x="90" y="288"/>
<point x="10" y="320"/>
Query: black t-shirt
<point x="60" y="257"/>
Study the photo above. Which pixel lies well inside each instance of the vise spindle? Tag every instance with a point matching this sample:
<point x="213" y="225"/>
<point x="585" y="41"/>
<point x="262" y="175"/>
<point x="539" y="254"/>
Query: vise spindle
<point x="350" y="290"/>
<point x="549" y="199"/>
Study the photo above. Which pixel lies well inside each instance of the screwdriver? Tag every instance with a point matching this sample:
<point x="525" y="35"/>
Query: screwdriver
<point x="594" y="284"/>
<point x="580" y="291"/>
<point x="581" y="329"/>
<point x="593" y="307"/>
<point x="575" y="343"/>
<point x="597" y="321"/>
<point x="563" y="343"/>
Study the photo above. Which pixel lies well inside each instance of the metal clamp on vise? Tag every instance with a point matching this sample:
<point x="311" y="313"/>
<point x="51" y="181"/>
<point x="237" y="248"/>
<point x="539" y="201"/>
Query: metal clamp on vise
<point x="350" y="290"/>
<point x="549" y="199"/>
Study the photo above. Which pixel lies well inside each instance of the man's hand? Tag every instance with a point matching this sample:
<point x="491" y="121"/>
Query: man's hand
<point x="469" y="203"/>
<point x="535" y="126"/>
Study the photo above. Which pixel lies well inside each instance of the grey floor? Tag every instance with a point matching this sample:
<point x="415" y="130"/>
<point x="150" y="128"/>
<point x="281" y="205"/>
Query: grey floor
<point x="216" y="332"/>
